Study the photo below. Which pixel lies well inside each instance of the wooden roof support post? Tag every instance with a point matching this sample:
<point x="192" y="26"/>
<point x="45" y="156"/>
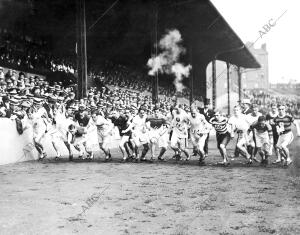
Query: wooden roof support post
<point x="214" y="85"/>
<point x="228" y="88"/>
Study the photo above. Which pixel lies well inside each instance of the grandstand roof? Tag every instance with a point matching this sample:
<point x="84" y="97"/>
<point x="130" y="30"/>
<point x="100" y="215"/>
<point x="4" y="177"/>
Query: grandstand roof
<point x="126" y="32"/>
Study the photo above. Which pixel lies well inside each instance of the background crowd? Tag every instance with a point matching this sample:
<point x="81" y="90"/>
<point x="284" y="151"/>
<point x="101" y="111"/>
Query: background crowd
<point x="264" y="100"/>
<point x="118" y="86"/>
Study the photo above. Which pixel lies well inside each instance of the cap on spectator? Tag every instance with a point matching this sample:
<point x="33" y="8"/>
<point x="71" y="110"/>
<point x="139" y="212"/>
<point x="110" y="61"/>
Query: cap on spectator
<point x="206" y="101"/>
<point x="37" y="101"/>
<point x="261" y="118"/>
<point x="14" y="102"/>
<point x="52" y="99"/>
<point x="246" y="101"/>
<point x="60" y="98"/>
<point x="26" y="104"/>
<point x="82" y="107"/>
<point x="5" y="99"/>
<point x="13" y="91"/>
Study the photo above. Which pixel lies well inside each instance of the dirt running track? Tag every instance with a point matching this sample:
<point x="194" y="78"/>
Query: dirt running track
<point x="160" y="198"/>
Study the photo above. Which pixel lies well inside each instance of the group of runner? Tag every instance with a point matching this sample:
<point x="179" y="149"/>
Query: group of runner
<point x="257" y="134"/>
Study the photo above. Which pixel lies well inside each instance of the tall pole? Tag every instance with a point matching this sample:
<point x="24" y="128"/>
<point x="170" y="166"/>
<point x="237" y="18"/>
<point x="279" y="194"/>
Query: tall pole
<point x="240" y="84"/>
<point x="155" y="39"/>
<point x="191" y="75"/>
<point x="214" y="84"/>
<point x="81" y="50"/>
<point x="156" y="53"/>
<point x="228" y="88"/>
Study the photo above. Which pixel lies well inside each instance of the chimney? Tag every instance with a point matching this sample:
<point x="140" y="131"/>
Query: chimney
<point x="264" y="47"/>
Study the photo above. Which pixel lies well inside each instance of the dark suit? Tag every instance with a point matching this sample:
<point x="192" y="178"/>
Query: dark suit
<point x="208" y="114"/>
<point x="247" y="111"/>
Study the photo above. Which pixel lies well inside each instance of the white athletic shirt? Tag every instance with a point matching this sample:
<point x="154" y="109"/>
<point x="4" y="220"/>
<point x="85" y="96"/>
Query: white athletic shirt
<point x="103" y="125"/>
<point x="252" y="119"/>
<point x="139" y="123"/>
<point x="179" y="123"/>
<point x="241" y="123"/>
<point x="63" y="123"/>
<point x="38" y="120"/>
<point x="199" y="124"/>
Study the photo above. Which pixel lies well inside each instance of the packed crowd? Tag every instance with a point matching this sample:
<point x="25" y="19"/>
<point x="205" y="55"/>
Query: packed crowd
<point x="265" y="99"/>
<point x="53" y="110"/>
<point x="28" y="52"/>
<point x="121" y="76"/>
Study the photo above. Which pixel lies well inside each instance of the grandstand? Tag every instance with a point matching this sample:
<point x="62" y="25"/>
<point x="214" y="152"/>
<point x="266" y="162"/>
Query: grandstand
<point x="125" y="35"/>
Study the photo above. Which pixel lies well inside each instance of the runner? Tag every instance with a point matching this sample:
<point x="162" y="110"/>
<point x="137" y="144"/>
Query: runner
<point x="179" y="129"/>
<point x="82" y="119"/>
<point x="139" y="134"/>
<point x="220" y="123"/>
<point x="199" y="129"/>
<point x="122" y="122"/>
<point x="251" y="145"/>
<point x="239" y="123"/>
<point x="104" y="129"/>
<point x="158" y="133"/>
<point x="284" y="129"/>
<point x="262" y="131"/>
<point x="270" y="117"/>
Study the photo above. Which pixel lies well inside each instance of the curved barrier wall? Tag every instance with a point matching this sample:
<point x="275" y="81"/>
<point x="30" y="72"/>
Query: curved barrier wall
<point x="15" y="147"/>
<point x="18" y="148"/>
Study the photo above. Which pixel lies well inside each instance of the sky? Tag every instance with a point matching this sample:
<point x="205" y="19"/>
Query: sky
<point x="247" y="18"/>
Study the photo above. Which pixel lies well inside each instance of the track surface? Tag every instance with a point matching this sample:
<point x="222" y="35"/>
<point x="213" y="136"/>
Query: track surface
<point x="51" y="197"/>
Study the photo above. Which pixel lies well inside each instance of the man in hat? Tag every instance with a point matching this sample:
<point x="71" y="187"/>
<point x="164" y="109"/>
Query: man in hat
<point x="247" y="107"/>
<point x="208" y="114"/>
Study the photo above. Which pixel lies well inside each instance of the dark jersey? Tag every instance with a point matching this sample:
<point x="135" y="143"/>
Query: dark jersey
<point x="270" y="117"/>
<point x="284" y="122"/>
<point x="82" y="121"/>
<point x="220" y="126"/>
<point x="156" y="123"/>
<point x="261" y="128"/>
<point x="122" y="123"/>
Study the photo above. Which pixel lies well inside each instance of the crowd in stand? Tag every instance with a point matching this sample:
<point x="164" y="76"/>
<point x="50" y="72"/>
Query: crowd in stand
<point x="265" y="99"/>
<point x="21" y="90"/>
<point x="28" y="52"/>
<point x="121" y="76"/>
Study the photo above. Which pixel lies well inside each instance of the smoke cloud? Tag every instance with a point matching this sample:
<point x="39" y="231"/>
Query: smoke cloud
<point x="167" y="61"/>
